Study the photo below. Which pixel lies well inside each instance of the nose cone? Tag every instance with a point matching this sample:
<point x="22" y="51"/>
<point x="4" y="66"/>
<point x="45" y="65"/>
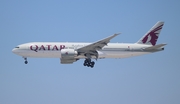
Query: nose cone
<point x="14" y="50"/>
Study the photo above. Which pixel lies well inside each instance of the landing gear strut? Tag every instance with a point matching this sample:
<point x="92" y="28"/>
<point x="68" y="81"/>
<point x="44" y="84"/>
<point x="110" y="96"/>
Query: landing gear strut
<point x="89" y="63"/>
<point x="25" y="60"/>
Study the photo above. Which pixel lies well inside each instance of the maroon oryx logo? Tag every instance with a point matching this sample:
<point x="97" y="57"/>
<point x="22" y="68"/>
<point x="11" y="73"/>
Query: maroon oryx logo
<point x="152" y="36"/>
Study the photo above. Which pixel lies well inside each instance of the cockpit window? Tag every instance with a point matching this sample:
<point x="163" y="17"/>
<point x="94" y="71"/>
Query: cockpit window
<point x="16" y="47"/>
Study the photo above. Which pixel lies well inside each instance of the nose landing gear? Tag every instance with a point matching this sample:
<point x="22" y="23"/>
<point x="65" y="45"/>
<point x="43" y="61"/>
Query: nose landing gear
<point x="26" y="62"/>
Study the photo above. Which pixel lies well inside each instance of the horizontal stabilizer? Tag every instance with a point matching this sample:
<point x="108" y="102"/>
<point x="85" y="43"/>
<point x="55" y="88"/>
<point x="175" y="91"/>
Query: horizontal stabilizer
<point x="155" y="47"/>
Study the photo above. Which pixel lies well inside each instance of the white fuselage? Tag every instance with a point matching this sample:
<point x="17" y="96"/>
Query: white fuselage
<point x="70" y="52"/>
<point x="53" y="49"/>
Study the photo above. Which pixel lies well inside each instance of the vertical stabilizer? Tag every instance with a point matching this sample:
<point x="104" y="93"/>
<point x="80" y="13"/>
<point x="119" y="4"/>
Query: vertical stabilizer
<point x="151" y="37"/>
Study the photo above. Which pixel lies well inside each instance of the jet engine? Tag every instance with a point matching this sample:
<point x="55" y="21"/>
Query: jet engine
<point x="68" y="56"/>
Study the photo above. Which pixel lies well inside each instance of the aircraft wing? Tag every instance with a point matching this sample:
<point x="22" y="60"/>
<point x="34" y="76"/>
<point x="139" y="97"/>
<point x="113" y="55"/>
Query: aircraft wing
<point x="96" y="45"/>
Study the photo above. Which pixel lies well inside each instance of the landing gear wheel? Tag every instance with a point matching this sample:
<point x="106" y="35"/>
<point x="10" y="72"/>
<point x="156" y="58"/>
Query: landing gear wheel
<point x="92" y="63"/>
<point x="84" y="64"/>
<point x="26" y="62"/>
<point x="92" y="66"/>
<point x="89" y="63"/>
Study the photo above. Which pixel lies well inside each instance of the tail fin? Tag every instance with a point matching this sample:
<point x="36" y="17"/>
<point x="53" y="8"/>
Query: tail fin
<point x="151" y="37"/>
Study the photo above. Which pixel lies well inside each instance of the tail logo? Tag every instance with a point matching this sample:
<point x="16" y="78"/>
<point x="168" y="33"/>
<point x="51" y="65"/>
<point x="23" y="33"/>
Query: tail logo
<point x="152" y="36"/>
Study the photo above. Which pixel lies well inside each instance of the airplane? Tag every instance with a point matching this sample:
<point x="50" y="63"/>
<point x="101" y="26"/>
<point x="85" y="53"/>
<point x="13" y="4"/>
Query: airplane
<point x="70" y="52"/>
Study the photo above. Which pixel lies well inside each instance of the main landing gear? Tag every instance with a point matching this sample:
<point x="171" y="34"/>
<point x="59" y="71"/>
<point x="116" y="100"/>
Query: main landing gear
<point x="26" y="62"/>
<point x="89" y="63"/>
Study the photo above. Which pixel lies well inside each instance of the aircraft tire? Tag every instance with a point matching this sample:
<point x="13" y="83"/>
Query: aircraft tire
<point x="84" y="64"/>
<point x="26" y="62"/>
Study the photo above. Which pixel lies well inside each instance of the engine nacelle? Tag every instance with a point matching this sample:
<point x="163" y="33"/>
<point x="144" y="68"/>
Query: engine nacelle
<point x="68" y="53"/>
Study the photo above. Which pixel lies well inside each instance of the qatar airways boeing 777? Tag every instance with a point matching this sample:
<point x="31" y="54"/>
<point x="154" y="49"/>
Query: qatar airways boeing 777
<point x="70" y="52"/>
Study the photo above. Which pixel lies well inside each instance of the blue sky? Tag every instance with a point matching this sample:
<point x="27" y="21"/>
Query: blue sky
<point x="147" y="79"/>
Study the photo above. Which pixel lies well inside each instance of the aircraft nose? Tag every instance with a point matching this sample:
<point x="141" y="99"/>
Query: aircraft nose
<point x="14" y="50"/>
